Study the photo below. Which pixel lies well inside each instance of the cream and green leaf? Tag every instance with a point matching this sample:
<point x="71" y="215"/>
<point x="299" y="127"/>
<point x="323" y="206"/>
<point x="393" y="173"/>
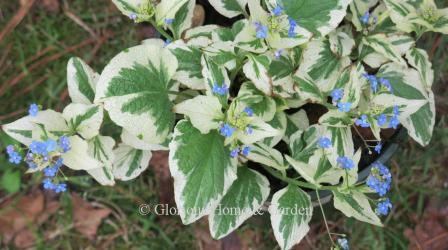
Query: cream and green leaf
<point x="202" y="169"/>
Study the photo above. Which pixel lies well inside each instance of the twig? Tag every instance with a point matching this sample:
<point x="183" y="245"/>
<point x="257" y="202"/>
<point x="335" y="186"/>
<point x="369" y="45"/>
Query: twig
<point x="17" y="112"/>
<point x="39" y="54"/>
<point x="16" y="19"/>
<point x="78" y="21"/>
<point x="5" y="54"/>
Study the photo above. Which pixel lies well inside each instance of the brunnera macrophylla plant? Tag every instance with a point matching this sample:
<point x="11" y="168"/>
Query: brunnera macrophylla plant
<point x="227" y="104"/>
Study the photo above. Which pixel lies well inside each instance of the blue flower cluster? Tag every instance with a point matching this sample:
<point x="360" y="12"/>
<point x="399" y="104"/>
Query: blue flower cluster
<point x="336" y="96"/>
<point x="249" y="111"/>
<point x="226" y="130"/>
<point x="220" y="90"/>
<point x="380" y="179"/>
<point x="324" y="142"/>
<point x="375" y="83"/>
<point x="133" y="16"/>
<point x="363" y="121"/>
<point x="383" y="207"/>
<point x="278" y="53"/>
<point x="394" y="122"/>
<point x="169" y="21"/>
<point x="244" y="150"/>
<point x="378" y="147"/>
<point x="365" y="19"/>
<point x="14" y="156"/>
<point x="277" y="11"/>
<point x="345" y="162"/>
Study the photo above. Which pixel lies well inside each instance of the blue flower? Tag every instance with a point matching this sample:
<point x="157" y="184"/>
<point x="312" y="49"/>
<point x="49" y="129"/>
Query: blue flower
<point x="226" y="130"/>
<point x="380" y="179"/>
<point x="396" y="110"/>
<point x="278" y="53"/>
<point x="394" y="122"/>
<point x="169" y="21"/>
<point x="133" y="16"/>
<point x="383" y="207"/>
<point x="345" y="162"/>
<point x="37" y="147"/>
<point x="249" y="111"/>
<point x="363" y="122"/>
<point x="378" y="147"/>
<point x="386" y="84"/>
<point x="365" y="18"/>
<point x="48" y="184"/>
<point x="50" y="145"/>
<point x="373" y="82"/>
<point x="64" y="144"/>
<point x="337" y="94"/>
<point x="381" y="120"/>
<point x="15" y="157"/>
<point x="58" y="163"/>
<point x="262" y="31"/>
<point x="249" y="129"/>
<point x="292" y="27"/>
<point x="324" y="142"/>
<point x="33" y="110"/>
<point x="61" y="187"/>
<point x="344" y="106"/>
<point x="234" y="153"/>
<point x="50" y="171"/>
<point x="222" y="91"/>
<point x="277" y="11"/>
<point x="343" y="243"/>
<point x="246" y="150"/>
<point x="10" y="149"/>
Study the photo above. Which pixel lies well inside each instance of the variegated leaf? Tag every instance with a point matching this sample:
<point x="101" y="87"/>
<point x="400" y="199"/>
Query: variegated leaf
<point x="418" y="59"/>
<point x="256" y="69"/>
<point x="101" y="148"/>
<point x="81" y="81"/>
<point x="355" y="204"/>
<point x="129" y="162"/>
<point x="380" y="44"/>
<point x="262" y="105"/>
<point x="230" y="8"/>
<point x="167" y="9"/>
<point x="183" y="19"/>
<point x="189" y="72"/>
<point x="266" y="155"/>
<point x="279" y="123"/>
<point x="84" y="119"/>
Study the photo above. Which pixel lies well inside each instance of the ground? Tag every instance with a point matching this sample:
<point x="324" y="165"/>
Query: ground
<point x="34" y="53"/>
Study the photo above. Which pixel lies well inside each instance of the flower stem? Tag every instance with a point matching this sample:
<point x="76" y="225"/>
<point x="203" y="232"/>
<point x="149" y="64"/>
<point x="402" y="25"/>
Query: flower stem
<point x="160" y="30"/>
<point x="363" y="140"/>
<point x="325" y="219"/>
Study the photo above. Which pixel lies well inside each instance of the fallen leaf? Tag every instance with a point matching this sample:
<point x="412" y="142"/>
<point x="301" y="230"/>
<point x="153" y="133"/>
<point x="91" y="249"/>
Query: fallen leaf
<point x="86" y="217"/>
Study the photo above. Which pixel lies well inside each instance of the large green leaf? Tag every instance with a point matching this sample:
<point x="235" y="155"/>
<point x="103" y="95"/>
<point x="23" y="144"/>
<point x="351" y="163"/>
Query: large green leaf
<point x="246" y="195"/>
<point x="202" y="169"/>
<point x="355" y="204"/>
<point x="189" y="72"/>
<point x="317" y="16"/>
<point x="291" y="211"/>
<point x="135" y="87"/>
<point x="229" y="8"/>
<point x="81" y="81"/>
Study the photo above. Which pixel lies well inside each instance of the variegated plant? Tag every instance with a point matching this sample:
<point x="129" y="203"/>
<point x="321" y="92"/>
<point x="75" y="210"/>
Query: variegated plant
<point x="227" y="104"/>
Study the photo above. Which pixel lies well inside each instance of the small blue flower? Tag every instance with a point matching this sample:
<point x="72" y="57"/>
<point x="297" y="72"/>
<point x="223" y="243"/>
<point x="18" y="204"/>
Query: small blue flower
<point x="50" y="145"/>
<point x="396" y="110"/>
<point x="234" y="153"/>
<point x="64" y="143"/>
<point x="50" y="171"/>
<point x="249" y="130"/>
<point x="246" y="150"/>
<point x="336" y="95"/>
<point x="381" y="120"/>
<point x="292" y="27"/>
<point x="48" y="184"/>
<point x="380" y="179"/>
<point x="345" y="162"/>
<point x="386" y="84"/>
<point x="15" y="157"/>
<point x="61" y="187"/>
<point x="10" y="149"/>
<point x="58" y="163"/>
<point x="343" y="243"/>
<point x="363" y="121"/>
<point x="227" y="130"/>
<point x="262" y="31"/>
<point x="378" y="147"/>
<point x="383" y="207"/>
<point x="277" y="11"/>
<point x="373" y="82"/>
<point x="169" y="21"/>
<point x="278" y="53"/>
<point x="222" y="91"/>
<point x="344" y="106"/>
<point x="39" y="148"/>
<point x="249" y="111"/>
<point x="324" y="142"/>
<point x="365" y="18"/>
<point x="33" y="110"/>
<point x="394" y="122"/>
<point x="133" y="16"/>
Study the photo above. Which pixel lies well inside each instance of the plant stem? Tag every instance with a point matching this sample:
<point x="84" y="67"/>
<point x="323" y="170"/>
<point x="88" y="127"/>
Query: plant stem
<point x="325" y="219"/>
<point x="363" y="140"/>
<point x="160" y="30"/>
<point x="296" y="182"/>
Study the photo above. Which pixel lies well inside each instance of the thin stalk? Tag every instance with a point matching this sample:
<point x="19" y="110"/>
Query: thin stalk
<point x="160" y="30"/>
<point x="325" y="219"/>
<point x="295" y="182"/>
<point x="363" y="140"/>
